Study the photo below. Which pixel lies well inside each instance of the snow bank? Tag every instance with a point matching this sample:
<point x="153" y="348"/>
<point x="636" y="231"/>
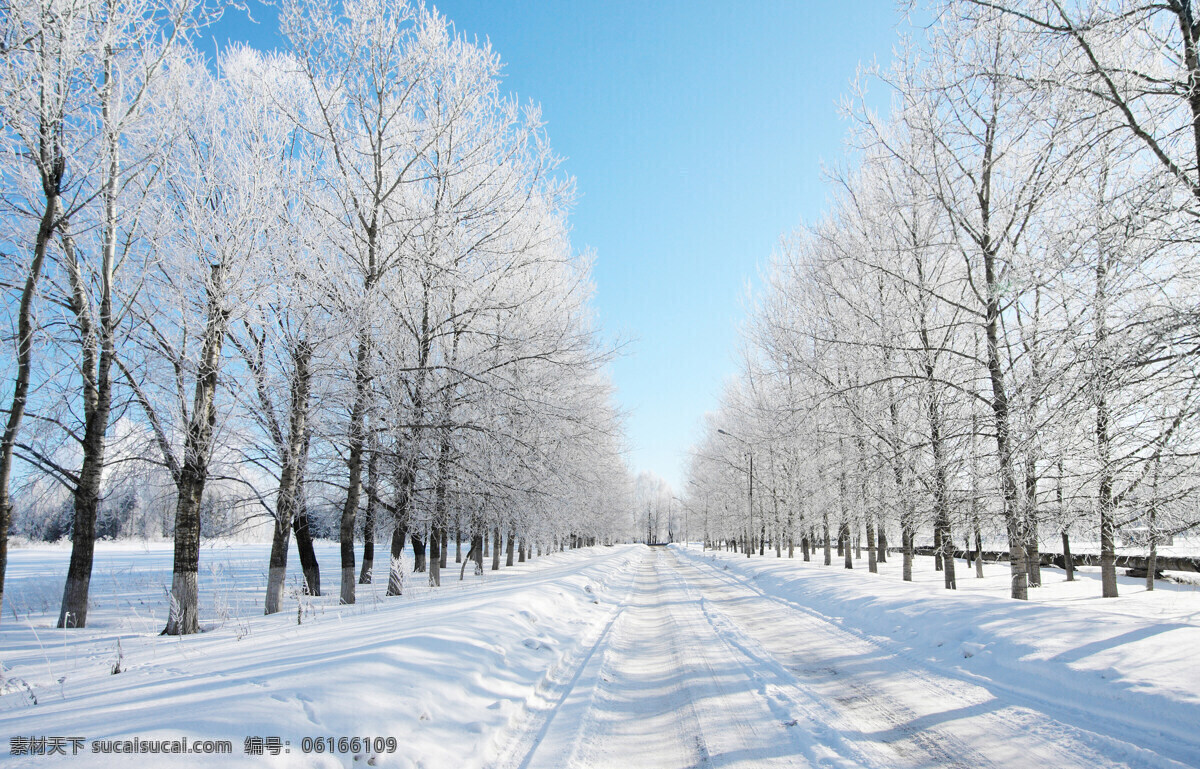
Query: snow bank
<point x="1123" y="664"/>
<point x="441" y="673"/>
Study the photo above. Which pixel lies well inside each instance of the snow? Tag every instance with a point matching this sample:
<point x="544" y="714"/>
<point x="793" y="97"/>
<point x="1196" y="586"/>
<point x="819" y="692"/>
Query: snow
<point x="442" y="673"/>
<point x="612" y="657"/>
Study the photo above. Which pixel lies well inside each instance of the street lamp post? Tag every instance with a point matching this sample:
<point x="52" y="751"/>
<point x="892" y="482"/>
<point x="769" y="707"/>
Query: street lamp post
<point x="703" y="542"/>
<point x="750" y="512"/>
<point x="683" y="505"/>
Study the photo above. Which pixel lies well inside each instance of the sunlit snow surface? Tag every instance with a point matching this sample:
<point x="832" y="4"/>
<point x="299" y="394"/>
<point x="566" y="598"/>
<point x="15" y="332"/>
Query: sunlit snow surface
<point x="621" y="656"/>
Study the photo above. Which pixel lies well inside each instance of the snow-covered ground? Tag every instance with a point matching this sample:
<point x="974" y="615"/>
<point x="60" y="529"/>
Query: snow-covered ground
<point x="622" y="656"/>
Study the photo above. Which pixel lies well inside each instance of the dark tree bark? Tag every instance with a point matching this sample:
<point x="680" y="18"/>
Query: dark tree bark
<point x="825" y="534"/>
<point x="184" y="618"/>
<point x="356" y="439"/>
<point x="435" y="557"/>
<point x="369" y="518"/>
<point x="52" y="168"/>
<point x="872" y="561"/>
<point x="509" y="547"/>
<point x="477" y="543"/>
<point x="396" y="569"/>
<point x="294" y="456"/>
<point x="469" y="559"/>
<point x="496" y="548"/>
<point x="418" y="545"/>
<point x="1033" y="556"/>
<point x="405" y="477"/>
<point x="978" y="552"/>
<point x="906" y="544"/>
<point x="437" y="536"/>
<point x="1102" y="376"/>
<point x="308" y="555"/>
<point x="96" y="361"/>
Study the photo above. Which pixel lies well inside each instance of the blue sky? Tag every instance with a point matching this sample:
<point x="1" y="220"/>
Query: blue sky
<point x="696" y="132"/>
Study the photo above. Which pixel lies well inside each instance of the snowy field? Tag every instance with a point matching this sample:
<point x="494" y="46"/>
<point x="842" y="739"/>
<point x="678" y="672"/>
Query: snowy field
<point x="622" y="656"/>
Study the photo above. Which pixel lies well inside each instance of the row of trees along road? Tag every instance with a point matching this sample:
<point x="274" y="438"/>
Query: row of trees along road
<point x="992" y="332"/>
<point x="338" y="274"/>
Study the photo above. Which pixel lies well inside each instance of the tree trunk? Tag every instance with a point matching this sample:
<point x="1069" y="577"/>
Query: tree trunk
<point x="906" y="543"/>
<point x="496" y="548"/>
<point x="396" y="567"/>
<point x="435" y="557"/>
<point x="881" y="543"/>
<point x="368" y="560"/>
<point x="872" y="563"/>
<point x="477" y="543"/>
<point x="437" y="533"/>
<point x="458" y="545"/>
<point x="304" y="546"/>
<point x="937" y="543"/>
<point x="277" y="565"/>
<point x="474" y="556"/>
<point x="185" y="600"/>
<point x="978" y="552"/>
<point x="509" y="546"/>
<point x="1108" y="554"/>
<point x="294" y="456"/>
<point x="1152" y="525"/>
<point x="418" y="546"/>
<point x="184" y="617"/>
<point x="1033" y="557"/>
<point x="97" y="352"/>
<point x="844" y="540"/>
<point x="356" y="441"/>
<point x="1068" y="560"/>
<point x="828" y="545"/>
<point x="946" y="552"/>
<point x="404" y="478"/>
<point x="521" y="549"/>
<point x="16" y="410"/>
<point x="999" y="402"/>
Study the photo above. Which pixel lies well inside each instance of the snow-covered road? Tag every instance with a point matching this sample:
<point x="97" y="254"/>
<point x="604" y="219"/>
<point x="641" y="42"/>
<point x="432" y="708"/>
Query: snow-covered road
<point x="612" y="656"/>
<point x="660" y="689"/>
<point x="700" y="667"/>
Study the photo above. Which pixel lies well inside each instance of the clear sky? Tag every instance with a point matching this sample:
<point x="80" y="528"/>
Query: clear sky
<point x="696" y="130"/>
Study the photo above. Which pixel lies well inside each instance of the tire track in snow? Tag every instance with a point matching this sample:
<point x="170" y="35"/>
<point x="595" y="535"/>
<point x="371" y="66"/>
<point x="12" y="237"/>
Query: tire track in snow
<point x="527" y="730"/>
<point x="665" y="692"/>
<point x="983" y="710"/>
<point x="618" y="713"/>
<point x="823" y="714"/>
